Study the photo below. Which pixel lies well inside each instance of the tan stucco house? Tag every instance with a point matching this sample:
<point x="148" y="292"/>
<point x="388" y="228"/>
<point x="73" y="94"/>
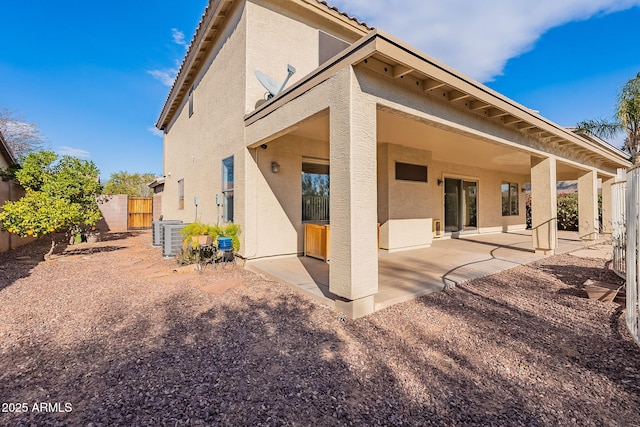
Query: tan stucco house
<point x="410" y="144"/>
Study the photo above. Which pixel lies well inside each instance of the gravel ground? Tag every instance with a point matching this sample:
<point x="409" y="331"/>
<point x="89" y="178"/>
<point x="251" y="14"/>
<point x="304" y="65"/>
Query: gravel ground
<point x="108" y="335"/>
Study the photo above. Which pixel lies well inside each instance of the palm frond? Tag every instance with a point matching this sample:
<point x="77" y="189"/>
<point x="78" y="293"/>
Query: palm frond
<point x="600" y="128"/>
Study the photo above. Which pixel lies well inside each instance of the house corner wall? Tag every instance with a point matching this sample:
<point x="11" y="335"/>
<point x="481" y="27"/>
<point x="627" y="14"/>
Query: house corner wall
<point x="195" y="144"/>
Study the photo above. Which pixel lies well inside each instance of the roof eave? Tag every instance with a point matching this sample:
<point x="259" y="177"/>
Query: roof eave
<point x="205" y="35"/>
<point x="408" y="60"/>
<point x="6" y="151"/>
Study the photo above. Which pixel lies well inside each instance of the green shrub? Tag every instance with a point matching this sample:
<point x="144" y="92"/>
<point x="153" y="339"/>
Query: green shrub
<point x="189" y="253"/>
<point x="567" y="213"/>
<point x="232" y="230"/>
<point x="198" y="229"/>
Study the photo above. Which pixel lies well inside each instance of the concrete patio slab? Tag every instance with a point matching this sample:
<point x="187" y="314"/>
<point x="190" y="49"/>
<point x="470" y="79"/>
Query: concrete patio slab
<point x="598" y="251"/>
<point x="408" y="274"/>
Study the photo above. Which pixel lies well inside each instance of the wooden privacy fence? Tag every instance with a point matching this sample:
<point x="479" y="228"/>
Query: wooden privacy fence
<point x="140" y="212"/>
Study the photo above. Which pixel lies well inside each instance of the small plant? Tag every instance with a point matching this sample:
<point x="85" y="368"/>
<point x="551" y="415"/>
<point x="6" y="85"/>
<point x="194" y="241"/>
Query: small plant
<point x="190" y="253"/>
<point x="187" y="255"/>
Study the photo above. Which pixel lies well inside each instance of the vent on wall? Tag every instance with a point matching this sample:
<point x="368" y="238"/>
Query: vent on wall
<point x="157" y="232"/>
<point x="437" y="228"/>
<point x="172" y="239"/>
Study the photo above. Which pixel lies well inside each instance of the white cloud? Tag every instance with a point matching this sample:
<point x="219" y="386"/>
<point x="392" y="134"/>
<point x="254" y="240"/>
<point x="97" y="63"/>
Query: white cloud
<point x="166" y="76"/>
<point x="178" y="37"/>
<point x="475" y="37"/>
<point x="71" y="151"/>
<point x="155" y="131"/>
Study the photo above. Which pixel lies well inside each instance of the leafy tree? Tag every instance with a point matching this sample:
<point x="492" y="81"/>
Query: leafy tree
<point x="627" y="119"/>
<point x="61" y="196"/>
<point x="315" y="184"/>
<point x="132" y="184"/>
<point x="21" y="136"/>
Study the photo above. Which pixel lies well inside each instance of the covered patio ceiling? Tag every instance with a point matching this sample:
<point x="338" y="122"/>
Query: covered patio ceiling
<point x="446" y="146"/>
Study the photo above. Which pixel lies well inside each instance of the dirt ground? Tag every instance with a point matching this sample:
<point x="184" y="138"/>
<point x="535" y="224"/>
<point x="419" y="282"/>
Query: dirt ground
<point x="108" y="335"/>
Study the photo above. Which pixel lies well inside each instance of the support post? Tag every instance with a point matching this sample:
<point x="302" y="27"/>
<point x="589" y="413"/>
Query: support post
<point x="544" y="206"/>
<point x="588" y="222"/>
<point x="607" y="203"/>
<point x="353" y="272"/>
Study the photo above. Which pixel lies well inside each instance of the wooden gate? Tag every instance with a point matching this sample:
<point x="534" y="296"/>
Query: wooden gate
<point x="140" y="212"/>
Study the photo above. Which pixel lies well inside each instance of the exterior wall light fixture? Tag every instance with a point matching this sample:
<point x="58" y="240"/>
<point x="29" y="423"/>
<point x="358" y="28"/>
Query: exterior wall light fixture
<point x="275" y="167"/>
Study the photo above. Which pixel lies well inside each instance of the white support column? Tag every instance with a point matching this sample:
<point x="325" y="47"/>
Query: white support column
<point x="607" y="211"/>
<point x="588" y="223"/>
<point x="354" y="247"/>
<point x="544" y="205"/>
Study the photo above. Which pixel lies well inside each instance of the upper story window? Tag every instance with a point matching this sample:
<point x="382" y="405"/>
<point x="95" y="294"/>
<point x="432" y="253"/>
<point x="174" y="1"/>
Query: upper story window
<point x="191" y="101"/>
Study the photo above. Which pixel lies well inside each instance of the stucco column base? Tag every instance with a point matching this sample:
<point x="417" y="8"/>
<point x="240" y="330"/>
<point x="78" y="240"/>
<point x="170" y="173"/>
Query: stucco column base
<point x="545" y="252"/>
<point x="356" y="308"/>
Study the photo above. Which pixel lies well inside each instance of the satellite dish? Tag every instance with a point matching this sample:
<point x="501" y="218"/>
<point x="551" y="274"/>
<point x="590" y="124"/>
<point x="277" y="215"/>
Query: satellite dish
<point x="272" y="86"/>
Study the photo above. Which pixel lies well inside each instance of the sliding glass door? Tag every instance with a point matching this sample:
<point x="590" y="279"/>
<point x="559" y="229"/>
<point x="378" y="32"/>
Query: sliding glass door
<point x="460" y="205"/>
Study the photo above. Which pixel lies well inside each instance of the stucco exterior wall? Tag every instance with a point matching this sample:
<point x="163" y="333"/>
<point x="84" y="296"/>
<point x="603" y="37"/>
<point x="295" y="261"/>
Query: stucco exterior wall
<point x="195" y="145"/>
<point x="273" y="41"/>
<point x="490" y="217"/>
<point x="281" y="33"/>
<point x="278" y="224"/>
<point x="404" y="207"/>
<point x="259" y="35"/>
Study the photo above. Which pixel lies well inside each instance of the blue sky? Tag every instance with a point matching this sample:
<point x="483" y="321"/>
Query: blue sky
<point x="93" y="75"/>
